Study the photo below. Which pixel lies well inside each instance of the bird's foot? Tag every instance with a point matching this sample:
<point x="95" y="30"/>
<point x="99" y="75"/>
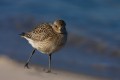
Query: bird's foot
<point x="48" y="71"/>
<point x="27" y="65"/>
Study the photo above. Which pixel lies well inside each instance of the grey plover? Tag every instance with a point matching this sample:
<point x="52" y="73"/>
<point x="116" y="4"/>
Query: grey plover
<point x="47" y="38"/>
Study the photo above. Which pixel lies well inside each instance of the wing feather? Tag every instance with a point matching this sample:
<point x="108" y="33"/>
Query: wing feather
<point x="41" y="32"/>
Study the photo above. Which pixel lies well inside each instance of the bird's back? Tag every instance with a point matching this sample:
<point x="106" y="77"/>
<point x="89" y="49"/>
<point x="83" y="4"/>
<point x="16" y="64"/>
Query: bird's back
<point x="41" y="32"/>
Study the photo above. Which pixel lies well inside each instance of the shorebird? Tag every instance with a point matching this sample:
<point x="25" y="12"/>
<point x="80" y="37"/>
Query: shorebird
<point x="46" y="38"/>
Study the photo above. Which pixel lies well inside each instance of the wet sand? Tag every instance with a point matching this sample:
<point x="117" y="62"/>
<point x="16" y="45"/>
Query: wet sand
<point x="12" y="70"/>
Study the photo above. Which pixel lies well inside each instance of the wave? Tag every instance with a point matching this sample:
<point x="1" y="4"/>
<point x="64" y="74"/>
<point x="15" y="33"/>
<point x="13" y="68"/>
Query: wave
<point x="92" y="45"/>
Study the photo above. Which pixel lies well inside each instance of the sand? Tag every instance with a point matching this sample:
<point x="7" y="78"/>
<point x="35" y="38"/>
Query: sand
<point x="12" y="70"/>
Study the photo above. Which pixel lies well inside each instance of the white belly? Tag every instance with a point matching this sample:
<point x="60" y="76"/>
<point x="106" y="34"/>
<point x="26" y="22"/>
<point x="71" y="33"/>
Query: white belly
<point x="44" y="47"/>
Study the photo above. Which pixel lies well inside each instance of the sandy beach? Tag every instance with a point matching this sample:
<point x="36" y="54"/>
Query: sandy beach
<point x="12" y="70"/>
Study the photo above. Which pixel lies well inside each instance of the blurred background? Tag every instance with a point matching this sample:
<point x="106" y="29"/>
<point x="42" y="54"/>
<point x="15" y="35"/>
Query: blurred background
<point x="93" y="46"/>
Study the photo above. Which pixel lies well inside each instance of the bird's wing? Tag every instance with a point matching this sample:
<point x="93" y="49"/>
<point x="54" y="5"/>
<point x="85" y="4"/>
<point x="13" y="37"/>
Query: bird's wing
<point x="41" y="32"/>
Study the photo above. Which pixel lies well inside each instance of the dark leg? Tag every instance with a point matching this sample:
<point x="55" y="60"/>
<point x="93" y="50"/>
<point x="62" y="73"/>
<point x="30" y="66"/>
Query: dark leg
<point x="49" y="69"/>
<point x="27" y="63"/>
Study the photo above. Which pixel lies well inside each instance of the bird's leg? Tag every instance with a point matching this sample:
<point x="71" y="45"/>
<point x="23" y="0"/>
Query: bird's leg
<point x="49" y="69"/>
<point x="27" y="63"/>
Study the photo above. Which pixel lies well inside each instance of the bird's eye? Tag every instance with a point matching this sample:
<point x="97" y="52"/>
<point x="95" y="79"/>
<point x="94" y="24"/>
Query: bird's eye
<point x="56" y="26"/>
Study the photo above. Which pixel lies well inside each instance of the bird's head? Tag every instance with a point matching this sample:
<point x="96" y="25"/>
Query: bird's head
<point x="59" y="26"/>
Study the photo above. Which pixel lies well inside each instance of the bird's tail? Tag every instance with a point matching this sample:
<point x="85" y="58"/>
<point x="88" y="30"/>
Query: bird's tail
<point x="22" y="34"/>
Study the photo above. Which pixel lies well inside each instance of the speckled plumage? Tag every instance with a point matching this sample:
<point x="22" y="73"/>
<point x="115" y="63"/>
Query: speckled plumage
<point x="47" y="38"/>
